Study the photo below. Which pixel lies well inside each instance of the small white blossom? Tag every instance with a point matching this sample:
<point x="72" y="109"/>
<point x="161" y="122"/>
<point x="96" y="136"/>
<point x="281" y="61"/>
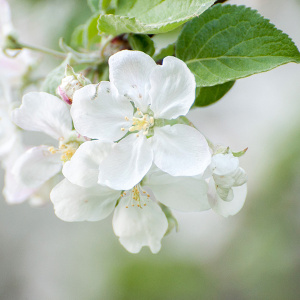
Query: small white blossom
<point x="44" y="113"/>
<point x="70" y="84"/>
<point x="159" y="93"/>
<point x="12" y="69"/>
<point x="227" y="187"/>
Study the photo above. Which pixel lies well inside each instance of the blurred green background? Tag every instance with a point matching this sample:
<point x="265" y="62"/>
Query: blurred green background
<point x="254" y="255"/>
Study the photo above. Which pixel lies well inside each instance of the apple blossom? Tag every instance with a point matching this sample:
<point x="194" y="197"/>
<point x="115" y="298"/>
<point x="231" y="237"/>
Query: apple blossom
<point x="138" y="106"/>
<point x="138" y="219"/>
<point x="45" y="113"/>
<point x="70" y="84"/>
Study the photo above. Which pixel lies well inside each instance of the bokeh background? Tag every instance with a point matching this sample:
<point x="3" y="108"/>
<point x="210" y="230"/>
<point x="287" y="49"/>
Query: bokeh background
<point x="253" y="255"/>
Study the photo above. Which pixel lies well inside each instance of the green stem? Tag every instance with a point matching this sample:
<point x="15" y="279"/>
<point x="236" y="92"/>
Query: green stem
<point x="44" y="50"/>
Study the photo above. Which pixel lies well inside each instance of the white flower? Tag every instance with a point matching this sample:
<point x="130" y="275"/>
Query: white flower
<point x="11" y="69"/>
<point x="159" y="93"/>
<point x="9" y="135"/>
<point x="227" y="187"/>
<point x="44" y="113"/>
<point x="138" y="219"/>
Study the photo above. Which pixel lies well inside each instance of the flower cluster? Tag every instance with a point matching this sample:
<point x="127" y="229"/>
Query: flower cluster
<point x="124" y="146"/>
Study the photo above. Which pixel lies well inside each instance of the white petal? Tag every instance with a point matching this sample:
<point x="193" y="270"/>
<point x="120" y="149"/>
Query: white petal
<point x="137" y="227"/>
<point x="99" y="113"/>
<point x="240" y="177"/>
<point x="126" y="164"/>
<point x="180" y="150"/>
<point x="83" y="168"/>
<point x="130" y="72"/>
<point x="74" y="203"/>
<point x="36" y="166"/>
<point x="227" y="208"/>
<point x="14" y="191"/>
<point x="223" y="164"/>
<point x="45" y="113"/>
<point x="181" y="193"/>
<point x="172" y="89"/>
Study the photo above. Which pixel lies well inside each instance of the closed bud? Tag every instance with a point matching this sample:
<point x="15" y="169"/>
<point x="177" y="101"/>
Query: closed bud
<point x="70" y="84"/>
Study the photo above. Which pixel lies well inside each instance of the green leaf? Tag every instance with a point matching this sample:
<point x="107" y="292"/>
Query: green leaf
<point x="94" y="5"/>
<point x="211" y="94"/>
<point x="141" y="42"/>
<point x="104" y="4"/>
<point x="54" y="78"/>
<point x="155" y="16"/>
<point x="91" y="35"/>
<point x="77" y="36"/>
<point x="229" y="42"/>
<point x="86" y="36"/>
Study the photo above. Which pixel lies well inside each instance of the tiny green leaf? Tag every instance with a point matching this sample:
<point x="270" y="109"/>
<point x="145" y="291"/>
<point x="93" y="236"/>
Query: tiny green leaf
<point x="104" y="4"/>
<point x="94" y="5"/>
<point x="240" y="153"/>
<point x="54" y="78"/>
<point x="211" y="94"/>
<point x="155" y="16"/>
<point x="141" y="42"/>
<point x="86" y="35"/>
<point x="229" y="42"/>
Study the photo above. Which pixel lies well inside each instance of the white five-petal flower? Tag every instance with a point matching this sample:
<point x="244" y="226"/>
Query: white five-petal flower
<point x="158" y="93"/>
<point x="44" y="113"/>
<point x="138" y="219"/>
<point x="227" y="187"/>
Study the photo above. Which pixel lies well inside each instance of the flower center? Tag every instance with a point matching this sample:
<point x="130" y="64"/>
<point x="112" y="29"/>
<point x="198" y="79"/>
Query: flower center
<point x="68" y="146"/>
<point x="136" y="197"/>
<point x="140" y="122"/>
<point x="67" y="150"/>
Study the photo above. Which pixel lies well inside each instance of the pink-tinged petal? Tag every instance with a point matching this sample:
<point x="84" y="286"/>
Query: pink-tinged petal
<point x="181" y="192"/>
<point x="44" y="113"/>
<point x="180" y="150"/>
<point x="83" y="168"/>
<point x="172" y="89"/>
<point x="130" y="72"/>
<point x="74" y="203"/>
<point x="227" y="208"/>
<point x="36" y="166"/>
<point x="99" y="112"/>
<point x="137" y="227"/>
<point x="126" y="164"/>
<point x="14" y="191"/>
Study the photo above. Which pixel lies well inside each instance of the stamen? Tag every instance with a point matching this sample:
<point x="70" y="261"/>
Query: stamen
<point x="137" y="197"/>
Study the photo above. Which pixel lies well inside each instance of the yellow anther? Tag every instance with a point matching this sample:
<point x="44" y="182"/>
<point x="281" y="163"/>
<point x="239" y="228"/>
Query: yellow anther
<point x="126" y="118"/>
<point x="52" y="150"/>
<point x="123" y="129"/>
